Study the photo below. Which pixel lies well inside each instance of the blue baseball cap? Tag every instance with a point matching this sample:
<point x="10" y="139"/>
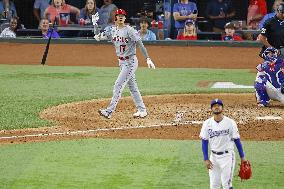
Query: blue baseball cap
<point x="189" y="21"/>
<point x="216" y="101"/>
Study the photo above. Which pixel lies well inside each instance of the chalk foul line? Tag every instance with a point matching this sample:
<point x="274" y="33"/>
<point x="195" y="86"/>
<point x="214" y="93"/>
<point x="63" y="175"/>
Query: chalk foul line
<point x="80" y="132"/>
<point x="176" y="122"/>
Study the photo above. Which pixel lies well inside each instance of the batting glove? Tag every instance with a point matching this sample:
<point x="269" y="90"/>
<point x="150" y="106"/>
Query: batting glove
<point x="150" y="63"/>
<point x="100" y="36"/>
<point x="97" y="37"/>
<point x="95" y="18"/>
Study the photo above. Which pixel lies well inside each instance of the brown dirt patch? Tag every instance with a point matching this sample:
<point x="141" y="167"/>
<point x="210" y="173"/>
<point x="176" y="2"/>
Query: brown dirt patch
<point x="204" y="83"/>
<point x="83" y="116"/>
<point x="104" y="55"/>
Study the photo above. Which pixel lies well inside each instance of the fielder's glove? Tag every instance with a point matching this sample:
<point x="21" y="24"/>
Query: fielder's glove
<point x="282" y="88"/>
<point x="150" y="63"/>
<point x="245" y="171"/>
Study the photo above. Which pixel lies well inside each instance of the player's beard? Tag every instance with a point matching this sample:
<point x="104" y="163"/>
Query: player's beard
<point x="217" y="112"/>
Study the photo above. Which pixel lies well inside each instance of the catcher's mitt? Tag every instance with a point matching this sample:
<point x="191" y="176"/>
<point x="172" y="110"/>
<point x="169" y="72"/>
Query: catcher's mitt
<point x="245" y="172"/>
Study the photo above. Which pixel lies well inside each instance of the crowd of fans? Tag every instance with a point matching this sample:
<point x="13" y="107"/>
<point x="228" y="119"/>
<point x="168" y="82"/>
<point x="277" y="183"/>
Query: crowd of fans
<point x="184" y="13"/>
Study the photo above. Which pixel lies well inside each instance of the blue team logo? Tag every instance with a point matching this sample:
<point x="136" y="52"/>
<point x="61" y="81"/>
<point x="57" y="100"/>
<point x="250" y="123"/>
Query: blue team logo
<point x="218" y="133"/>
<point x="183" y="12"/>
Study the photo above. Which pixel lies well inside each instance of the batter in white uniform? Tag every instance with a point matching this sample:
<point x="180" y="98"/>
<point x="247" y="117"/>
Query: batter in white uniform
<point x="220" y="132"/>
<point x="125" y="40"/>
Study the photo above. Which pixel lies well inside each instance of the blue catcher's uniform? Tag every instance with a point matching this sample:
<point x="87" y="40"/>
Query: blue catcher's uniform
<point x="269" y="80"/>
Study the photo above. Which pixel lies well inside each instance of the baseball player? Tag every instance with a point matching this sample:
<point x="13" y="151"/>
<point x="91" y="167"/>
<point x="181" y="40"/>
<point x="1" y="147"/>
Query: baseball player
<point x="220" y="132"/>
<point x="125" y="40"/>
<point x="269" y="83"/>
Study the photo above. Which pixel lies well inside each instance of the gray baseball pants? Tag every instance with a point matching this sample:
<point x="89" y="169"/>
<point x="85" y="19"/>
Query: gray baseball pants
<point x="127" y="76"/>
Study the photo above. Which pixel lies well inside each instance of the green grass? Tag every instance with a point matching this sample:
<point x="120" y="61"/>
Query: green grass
<point x="99" y="163"/>
<point x="27" y="90"/>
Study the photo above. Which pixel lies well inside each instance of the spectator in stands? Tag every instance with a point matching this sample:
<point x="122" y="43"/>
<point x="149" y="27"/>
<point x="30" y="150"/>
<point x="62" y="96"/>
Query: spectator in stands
<point x="167" y="20"/>
<point x="10" y="32"/>
<point x="46" y="31"/>
<point x="230" y="33"/>
<point x="144" y="32"/>
<point x="87" y="12"/>
<point x="256" y="10"/>
<point x="7" y="9"/>
<point x="189" y="31"/>
<point x="220" y="12"/>
<point x="86" y="17"/>
<point x="62" y="11"/>
<point x="270" y="15"/>
<point x="182" y="11"/>
<point x="39" y="8"/>
<point x="107" y="13"/>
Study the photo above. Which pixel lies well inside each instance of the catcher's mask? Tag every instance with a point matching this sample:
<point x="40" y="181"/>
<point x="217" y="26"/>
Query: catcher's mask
<point x="281" y="8"/>
<point x="270" y="53"/>
<point x="216" y="101"/>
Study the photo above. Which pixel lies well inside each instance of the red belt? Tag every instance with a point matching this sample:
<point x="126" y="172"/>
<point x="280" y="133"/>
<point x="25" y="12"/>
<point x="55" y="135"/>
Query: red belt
<point x="123" y="58"/>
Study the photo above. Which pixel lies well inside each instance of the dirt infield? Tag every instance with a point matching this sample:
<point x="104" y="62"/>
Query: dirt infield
<point x="170" y="116"/>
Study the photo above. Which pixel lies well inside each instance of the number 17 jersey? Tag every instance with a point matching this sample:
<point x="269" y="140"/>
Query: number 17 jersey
<point x="124" y="40"/>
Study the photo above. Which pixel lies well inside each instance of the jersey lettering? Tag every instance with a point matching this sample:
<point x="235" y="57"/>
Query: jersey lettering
<point x="218" y="133"/>
<point x="122" y="48"/>
<point x="120" y="39"/>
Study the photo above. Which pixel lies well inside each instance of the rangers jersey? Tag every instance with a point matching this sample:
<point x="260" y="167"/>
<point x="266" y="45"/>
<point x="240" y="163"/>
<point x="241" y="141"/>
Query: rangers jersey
<point x="221" y="134"/>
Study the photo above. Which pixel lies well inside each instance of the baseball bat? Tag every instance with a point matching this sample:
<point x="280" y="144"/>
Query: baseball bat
<point x="43" y="60"/>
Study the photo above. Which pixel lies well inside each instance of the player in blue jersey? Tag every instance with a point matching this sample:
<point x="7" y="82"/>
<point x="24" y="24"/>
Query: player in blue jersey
<point x="269" y="83"/>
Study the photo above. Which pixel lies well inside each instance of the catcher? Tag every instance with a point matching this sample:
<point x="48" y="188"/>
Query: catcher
<point x="221" y="132"/>
<point x="269" y="83"/>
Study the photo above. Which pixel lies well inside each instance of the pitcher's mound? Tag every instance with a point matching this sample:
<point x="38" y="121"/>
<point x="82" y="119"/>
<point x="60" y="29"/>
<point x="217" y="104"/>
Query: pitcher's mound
<point x="170" y="117"/>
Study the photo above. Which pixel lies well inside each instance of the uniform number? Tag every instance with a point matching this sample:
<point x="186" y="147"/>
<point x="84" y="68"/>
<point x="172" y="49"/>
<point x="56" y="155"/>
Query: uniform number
<point x="122" y="48"/>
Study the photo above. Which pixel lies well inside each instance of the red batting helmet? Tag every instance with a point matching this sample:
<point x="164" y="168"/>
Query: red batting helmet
<point x="120" y="11"/>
